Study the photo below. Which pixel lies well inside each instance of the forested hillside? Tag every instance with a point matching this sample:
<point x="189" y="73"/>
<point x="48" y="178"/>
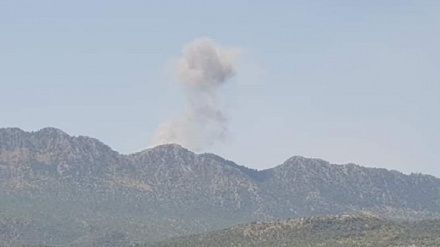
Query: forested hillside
<point x="58" y="189"/>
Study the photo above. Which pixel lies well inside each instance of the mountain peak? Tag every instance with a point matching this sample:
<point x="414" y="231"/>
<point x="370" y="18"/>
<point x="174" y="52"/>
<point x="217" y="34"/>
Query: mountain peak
<point x="164" y="149"/>
<point x="48" y="131"/>
<point x="304" y="163"/>
<point x="301" y="159"/>
<point x="169" y="145"/>
<point x="11" y="129"/>
<point x="172" y="147"/>
<point x="51" y="131"/>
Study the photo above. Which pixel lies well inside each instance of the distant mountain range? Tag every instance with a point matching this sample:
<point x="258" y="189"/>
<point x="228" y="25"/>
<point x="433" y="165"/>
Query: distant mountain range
<point x="56" y="189"/>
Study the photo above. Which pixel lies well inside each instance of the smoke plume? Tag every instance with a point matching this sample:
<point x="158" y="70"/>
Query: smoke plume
<point x="202" y="69"/>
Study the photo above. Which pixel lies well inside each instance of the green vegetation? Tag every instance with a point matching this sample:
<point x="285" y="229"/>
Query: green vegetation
<point x="60" y="190"/>
<point x="341" y="231"/>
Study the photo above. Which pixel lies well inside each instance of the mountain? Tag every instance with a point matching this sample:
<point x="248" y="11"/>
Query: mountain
<point x="337" y="231"/>
<point x="58" y="189"/>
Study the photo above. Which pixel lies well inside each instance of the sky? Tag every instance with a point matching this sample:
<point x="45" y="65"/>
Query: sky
<point x="344" y="81"/>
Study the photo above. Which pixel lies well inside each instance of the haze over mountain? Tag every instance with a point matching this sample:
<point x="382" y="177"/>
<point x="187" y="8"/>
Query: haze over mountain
<point x="58" y="189"/>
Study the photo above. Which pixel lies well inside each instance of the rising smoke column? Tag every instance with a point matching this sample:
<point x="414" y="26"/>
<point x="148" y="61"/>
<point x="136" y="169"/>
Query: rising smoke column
<point x="202" y="69"/>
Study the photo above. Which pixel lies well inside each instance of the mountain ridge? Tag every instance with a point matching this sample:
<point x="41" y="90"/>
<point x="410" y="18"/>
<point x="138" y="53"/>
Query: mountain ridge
<point x="169" y="191"/>
<point x="58" y="132"/>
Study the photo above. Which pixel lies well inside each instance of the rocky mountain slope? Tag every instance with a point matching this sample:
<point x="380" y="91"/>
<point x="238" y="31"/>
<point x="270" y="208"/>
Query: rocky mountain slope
<point x="77" y="190"/>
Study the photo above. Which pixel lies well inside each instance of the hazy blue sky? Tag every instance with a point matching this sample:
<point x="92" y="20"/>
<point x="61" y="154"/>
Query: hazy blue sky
<point x="345" y="81"/>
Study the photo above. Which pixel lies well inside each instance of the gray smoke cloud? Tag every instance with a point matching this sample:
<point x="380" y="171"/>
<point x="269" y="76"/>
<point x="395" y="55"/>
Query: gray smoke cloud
<point x="203" y="67"/>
